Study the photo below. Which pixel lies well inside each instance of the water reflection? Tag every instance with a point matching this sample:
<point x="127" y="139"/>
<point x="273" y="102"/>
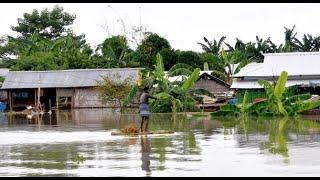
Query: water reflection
<point x="272" y="134"/>
<point x="79" y="143"/>
<point x="145" y="154"/>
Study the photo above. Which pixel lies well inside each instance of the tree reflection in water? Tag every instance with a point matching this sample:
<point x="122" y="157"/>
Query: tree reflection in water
<point x="278" y="130"/>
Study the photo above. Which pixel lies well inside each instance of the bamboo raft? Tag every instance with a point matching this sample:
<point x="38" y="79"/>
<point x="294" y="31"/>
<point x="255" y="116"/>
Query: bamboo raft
<point x="140" y="133"/>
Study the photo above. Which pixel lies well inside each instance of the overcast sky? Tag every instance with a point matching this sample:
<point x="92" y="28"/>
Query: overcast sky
<point x="182" y="24"/>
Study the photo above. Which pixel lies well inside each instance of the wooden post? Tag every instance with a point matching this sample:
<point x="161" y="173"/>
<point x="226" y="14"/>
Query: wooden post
<point x="35" y="97"/>
<point x="57" y="100"/>
<point x="49" y="104"/>
<point x="10" y="100"/>
<point x="39" y="103"/>
<point x="57" y="107"/>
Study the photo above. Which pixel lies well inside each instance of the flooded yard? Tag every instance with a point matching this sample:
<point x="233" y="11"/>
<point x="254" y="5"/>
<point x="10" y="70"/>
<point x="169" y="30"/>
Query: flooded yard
<point x="79" y="143"/>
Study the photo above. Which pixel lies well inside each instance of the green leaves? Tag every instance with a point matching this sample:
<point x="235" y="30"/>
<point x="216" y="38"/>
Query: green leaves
<point x="113" y="89"/>
<point x="132" y="94"/>
<point x="180" y="69"/>
<point x="281" y="84"/>
<point x="205" y="66"/>
<point x="173" y="96"/>
<point x="159" y="68"/>
<point x="50" y="24"/>
<point x="278" y="102"/>
<point x="191" y="80"/>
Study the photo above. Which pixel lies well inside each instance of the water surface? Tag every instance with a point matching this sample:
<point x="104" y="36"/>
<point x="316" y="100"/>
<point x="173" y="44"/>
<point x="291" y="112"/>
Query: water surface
<point x="79" y="143"/>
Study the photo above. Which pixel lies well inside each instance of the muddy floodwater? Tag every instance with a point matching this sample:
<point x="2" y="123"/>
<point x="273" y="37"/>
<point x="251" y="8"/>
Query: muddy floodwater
<point x="79" y="143"/>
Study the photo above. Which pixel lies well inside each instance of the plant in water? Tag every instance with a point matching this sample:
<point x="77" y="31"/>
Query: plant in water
<point x="79" y="158"/>
<point x="279" y="102"/>
<point x="114" y="89"/>
<point x="173" y="96"/>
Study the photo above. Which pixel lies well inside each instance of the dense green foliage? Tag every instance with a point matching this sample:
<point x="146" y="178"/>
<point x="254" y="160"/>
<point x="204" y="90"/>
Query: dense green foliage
<point x="45" y="42"/>
<point x="49" y="24"/>
<point x="172" y="96"/>
<point x="113" y="90"/>
<point x="279" y="101"/>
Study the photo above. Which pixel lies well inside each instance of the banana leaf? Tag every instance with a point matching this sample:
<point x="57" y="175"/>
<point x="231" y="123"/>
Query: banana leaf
<point x="191" y="80"/>
<point x="131" y="95"/>
<point x="267" y="86"/>
<point x="308" y="106"/>
<point x="179" y="72"/>
<point x="295" y="98"/>
<point x="281" y="84"/>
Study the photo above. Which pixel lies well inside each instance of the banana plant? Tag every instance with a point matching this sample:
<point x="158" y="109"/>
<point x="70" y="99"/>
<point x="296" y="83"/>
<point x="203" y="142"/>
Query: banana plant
<point x="172" y="96"/>
<point x="275" y="93"/>
<point x="278" y="102"/>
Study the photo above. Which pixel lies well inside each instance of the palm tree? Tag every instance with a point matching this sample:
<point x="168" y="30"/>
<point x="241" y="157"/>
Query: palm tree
<point x="290" y="37"/>
<point x="214" y="47"/>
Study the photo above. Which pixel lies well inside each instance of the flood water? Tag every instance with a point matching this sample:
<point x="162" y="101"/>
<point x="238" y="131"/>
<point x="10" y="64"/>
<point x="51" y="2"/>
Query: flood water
<point x="79" y="143"/>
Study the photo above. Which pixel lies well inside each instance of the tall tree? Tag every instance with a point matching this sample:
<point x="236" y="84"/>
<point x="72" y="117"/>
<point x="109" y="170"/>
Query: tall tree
<point x="39" y="53"/>
<point x="290" y="36"/>
<point x="149" y="47"/>
<point x="214" y="47"/>
<point x="191" y="58"/>
<point x="49" y="24"/>
<point x="115" y="52"/>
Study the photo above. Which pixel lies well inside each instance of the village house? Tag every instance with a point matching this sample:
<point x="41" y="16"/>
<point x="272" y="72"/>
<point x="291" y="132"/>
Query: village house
<point x="218" y="87"/>
<point x="303" y="71"/>
<point x="60" y="89"/>
<point x="3" y="95"/>
<point x="206" y="80"/>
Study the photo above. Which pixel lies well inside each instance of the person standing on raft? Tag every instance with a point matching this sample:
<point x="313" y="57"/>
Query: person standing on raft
<point x="144" y="110"/>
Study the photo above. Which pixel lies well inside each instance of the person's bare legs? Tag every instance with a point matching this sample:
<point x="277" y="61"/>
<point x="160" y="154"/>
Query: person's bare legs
<point x="142" y="122"/>
<point x="146" y="125"/>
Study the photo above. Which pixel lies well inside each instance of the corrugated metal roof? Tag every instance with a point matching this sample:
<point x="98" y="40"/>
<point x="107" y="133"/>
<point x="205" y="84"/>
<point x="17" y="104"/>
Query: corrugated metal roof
<point x="214" y="78"/>
<point x="181" y="77"/>
<point x="253" y="84"/>
<point x="296" y="64"/>
<point x="65" y="78"/>
<point x="3" y="72"/>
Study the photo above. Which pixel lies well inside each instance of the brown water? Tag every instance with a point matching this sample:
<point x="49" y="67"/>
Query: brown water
<point x="79" y="143"/>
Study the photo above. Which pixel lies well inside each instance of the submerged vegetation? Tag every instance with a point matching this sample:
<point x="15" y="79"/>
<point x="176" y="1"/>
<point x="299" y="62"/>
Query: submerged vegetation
<point x="279" y="131"/>
<point x="113" y="90"/>
<point x="172" y="96"/>
<point x="45" y="41"/>
<point x="278" y="101"/>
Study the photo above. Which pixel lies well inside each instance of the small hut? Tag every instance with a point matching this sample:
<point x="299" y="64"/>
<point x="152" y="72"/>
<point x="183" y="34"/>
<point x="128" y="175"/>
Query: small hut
<point x="216" y="86"/>
<point x="62" y="88"/>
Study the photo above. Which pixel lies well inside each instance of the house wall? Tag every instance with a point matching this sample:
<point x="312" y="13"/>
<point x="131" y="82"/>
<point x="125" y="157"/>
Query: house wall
<point x="65" y="92"/>
<point x="86" y="97"/>
<point x="89" y="98"/>
<point x="64" y="97"/>
<point x="3" y="95"/>
<point x="212" y="86"/>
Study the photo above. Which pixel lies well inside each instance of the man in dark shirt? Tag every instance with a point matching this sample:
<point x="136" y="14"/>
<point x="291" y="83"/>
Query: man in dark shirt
<point x="144" y="110"/>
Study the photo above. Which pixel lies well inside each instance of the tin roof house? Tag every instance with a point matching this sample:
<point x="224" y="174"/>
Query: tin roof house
<point x="303" y="70"/>
<point x="206" y="80"/>
<point x="62" y="88"/>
